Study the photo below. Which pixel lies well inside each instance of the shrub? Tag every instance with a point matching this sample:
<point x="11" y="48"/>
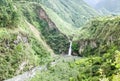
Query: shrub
<point x="8" y="14"/>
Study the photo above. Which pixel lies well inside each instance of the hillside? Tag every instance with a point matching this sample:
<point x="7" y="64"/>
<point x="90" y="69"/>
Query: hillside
<point x="20" y="48"/>
<point x="27" y="39"/>
<point x="102" y="28"/>
<point x="74" y="14"/>
<point x="36" y="35"/>
<point x="98" y="46"/>
<point x="98" y="36"/>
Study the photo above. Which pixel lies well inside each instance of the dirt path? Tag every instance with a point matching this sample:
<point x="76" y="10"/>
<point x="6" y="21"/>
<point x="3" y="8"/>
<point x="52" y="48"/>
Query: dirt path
<point x="27" y="75"/>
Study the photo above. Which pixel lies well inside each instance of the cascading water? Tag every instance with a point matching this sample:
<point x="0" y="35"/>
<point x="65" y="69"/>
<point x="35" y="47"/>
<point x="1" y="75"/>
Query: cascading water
<point x="70" y="48"/>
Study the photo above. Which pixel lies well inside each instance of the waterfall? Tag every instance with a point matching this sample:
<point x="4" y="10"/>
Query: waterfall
<point x="70" y="48"/>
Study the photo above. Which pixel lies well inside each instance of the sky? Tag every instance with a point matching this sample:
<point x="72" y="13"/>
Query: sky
<point x="92" y="2"/>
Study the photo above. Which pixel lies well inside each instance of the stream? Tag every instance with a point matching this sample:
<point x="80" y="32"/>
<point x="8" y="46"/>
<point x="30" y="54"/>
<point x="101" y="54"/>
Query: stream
<point x="27" y="75"/>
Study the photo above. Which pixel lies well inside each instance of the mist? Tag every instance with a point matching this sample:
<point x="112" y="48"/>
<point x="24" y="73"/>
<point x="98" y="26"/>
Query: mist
<point x="104" y="6"/>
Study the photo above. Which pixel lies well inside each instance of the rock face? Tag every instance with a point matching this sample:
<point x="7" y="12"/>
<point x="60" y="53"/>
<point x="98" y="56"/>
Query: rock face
<point x="95" y="46"/>
<point x="85" y="43"/>
<point x="21" y="38"/>
<point x="51" y="34"/>
<point x="44" y="16"/>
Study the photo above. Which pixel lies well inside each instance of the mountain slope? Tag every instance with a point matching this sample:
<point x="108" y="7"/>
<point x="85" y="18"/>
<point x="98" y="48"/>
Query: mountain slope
<point x="102" y="27"/>
<point x="26" y="38"/>
<point x="20" y="51"/>
<point x="49" y="31"/>
<point x="74" y="13"/>
<point x="37" y="35"/>
<point x="98" y="36"/>
<point x="28" y="32"/>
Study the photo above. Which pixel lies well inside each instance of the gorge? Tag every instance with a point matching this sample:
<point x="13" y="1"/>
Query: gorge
<point x="58" y="40"/>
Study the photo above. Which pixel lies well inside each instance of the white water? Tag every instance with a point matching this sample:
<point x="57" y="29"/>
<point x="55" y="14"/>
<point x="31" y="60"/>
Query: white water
<point x="70" y="48"/>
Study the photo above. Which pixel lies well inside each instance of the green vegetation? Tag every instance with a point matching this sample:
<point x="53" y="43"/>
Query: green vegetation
<point x="61" y="71"/>
<point x="101" y="55"/>
<point x="8" y="14"/>
<point x="102" y="28"/>
<point x="84" y="69"/>
<point x="49" y="32"/>
<point x="20" y="49"/>
<point x="74" y="14"/>
<point x="24" y="45"/>
<point x="100" y="35"/>
<point x="31" y="31"/>
<point x="70" y="9"/>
